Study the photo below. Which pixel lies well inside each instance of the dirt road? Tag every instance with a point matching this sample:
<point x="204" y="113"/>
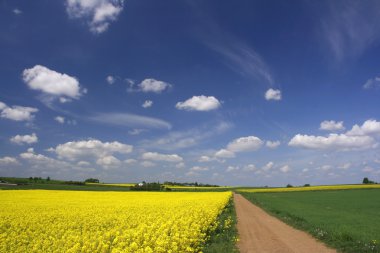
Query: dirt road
<point x="262" y="233"/>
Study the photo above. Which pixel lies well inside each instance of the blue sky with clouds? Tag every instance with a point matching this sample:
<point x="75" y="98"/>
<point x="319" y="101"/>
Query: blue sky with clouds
<point x="225" y="92"/>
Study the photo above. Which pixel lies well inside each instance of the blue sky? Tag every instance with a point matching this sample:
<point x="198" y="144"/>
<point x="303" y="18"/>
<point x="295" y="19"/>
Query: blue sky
<point x="224" y="92"/>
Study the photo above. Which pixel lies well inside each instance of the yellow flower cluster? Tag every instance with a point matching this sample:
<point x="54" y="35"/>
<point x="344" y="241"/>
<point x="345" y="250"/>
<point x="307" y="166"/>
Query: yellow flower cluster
<point x="313" y="188"/>
<point x="77" y="221"/>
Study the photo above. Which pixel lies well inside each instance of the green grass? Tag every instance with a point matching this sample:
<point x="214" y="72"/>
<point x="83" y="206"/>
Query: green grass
<point x="223" y="239"/>
<point x="348" y="220"/>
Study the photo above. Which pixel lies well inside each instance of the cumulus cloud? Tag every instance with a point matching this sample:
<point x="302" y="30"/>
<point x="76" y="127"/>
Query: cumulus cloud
<point x="7" y="160"/>
<point x="147" y="164"/>
<point x="245" y="144"/>
<point x="198" y="168"/>
<point x="199" y="103"/>
<point x="24" y="139"/>
<point x="272" y="144"/>
<point x="52" y="83"/>
<point x="331" y="125"/>
<point x="204" y="159"/>
<point x="110" y="79"/>
<point x="17" y="113"/>
<point x="17" y="11"/>
<point x="272" y="94"/>
<point x="224" y="153"/>
<point x="60" y="119"/>
<point x="149" y="85"/>
<point x="154" y="156"/>
<point x="285" y="169"/>
<point x="40" y="161"/>
<point x="268" y="166"/>
<point x="147" y="104"/>
<point x="98" y="13"/>
<point x="369" y="127"/>
<point x="108" y="162"/>
<point x="77" y="149"/>
<point x="373" y="83"/>
<point x="332" y="141"/>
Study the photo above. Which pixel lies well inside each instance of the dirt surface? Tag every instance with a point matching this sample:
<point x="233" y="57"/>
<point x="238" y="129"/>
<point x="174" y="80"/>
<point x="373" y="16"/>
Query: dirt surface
<point x="259" y="232"/>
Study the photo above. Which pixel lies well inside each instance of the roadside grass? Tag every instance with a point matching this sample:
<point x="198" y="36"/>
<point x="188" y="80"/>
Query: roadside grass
<point x="348" y="220"/>
<point x="223" y="239"/>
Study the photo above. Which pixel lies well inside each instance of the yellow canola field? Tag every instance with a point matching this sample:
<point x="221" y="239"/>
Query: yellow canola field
<point x="313" y="188"/>
<point x="77" y="221"/>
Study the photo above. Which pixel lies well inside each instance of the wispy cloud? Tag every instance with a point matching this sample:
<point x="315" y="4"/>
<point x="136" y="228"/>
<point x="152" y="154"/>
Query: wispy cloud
<point x="242" y="58"/>
<point x="351" y="27"/>
<point x="189" y="138"/>
<point x="130" y="120"/>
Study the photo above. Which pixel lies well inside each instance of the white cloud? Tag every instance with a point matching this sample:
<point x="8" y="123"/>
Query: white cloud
<point x="345" y="166"/>
<point x="98" y="13"/>
<point x="24" y="139"/>
<point x="108" y="162"/>
<point x="52" y="83"/>
<point x="17" y="113"/>
<point x="147" y="164"/>
<point x="2" y="105"/>
<point x="151" y="85"/>
<point x="130" y="120"/>
<point x="249" y="168"/>
<point x="268" y="166"/>
<point x="130" y="161"/>
<point x="245" y="144"/>
<point x="373" y="83"/>
<point x="232" y="168"/>
<point x="60" y="119"/>
<point x="161" y="157"/>
<point x="77" y="149"/>
<point x="331" y="125"/>
<point x="17" y="11"/>
<point x="199" y="103"/>
<point x="272" y="144"/>
<point x="332" y="141"/>
<point x="147" y="104"/>
<point x="367" y="169"/>
<point x="83" y="164"/>
<point x="110" y="79"/>
<point x="40" y="161"/>
<point x="180" y="165"/>
<point x="198" y="168"/>
<point x="369" y="127"/>
<point x="272" y="94"/>
<point x="204" y="159"/>
<point x="224" y="153"/>
<point x="7" y="160"/>
<point x="285" y="169"/>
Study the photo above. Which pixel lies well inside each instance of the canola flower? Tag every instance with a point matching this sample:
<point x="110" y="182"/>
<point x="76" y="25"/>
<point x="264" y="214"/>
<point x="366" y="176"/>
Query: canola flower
<point x="313" y="188"/>
<point x="76" y="221"/>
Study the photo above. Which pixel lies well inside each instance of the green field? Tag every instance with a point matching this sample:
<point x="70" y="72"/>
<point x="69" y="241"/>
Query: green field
<point x="348" y="220"/>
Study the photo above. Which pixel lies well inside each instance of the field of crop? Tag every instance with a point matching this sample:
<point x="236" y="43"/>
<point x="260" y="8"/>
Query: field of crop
<point x="347" y="220"/>
<point x="312" y="188"/>
<point x="73" y="221"/>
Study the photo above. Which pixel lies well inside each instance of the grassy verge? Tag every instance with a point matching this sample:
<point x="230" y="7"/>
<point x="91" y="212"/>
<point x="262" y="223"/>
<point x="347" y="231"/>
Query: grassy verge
<point x="346" y="220"/>
<point x="223" y="239"/>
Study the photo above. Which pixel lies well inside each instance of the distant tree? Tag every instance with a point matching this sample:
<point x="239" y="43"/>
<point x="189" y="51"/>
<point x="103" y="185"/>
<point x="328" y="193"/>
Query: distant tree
<point x="91" y="180"/>
<point x="365" y="180"/>
<point x="306" y="185"/>
<point x="289" y="185"/>
<point x="48" y="179"/>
